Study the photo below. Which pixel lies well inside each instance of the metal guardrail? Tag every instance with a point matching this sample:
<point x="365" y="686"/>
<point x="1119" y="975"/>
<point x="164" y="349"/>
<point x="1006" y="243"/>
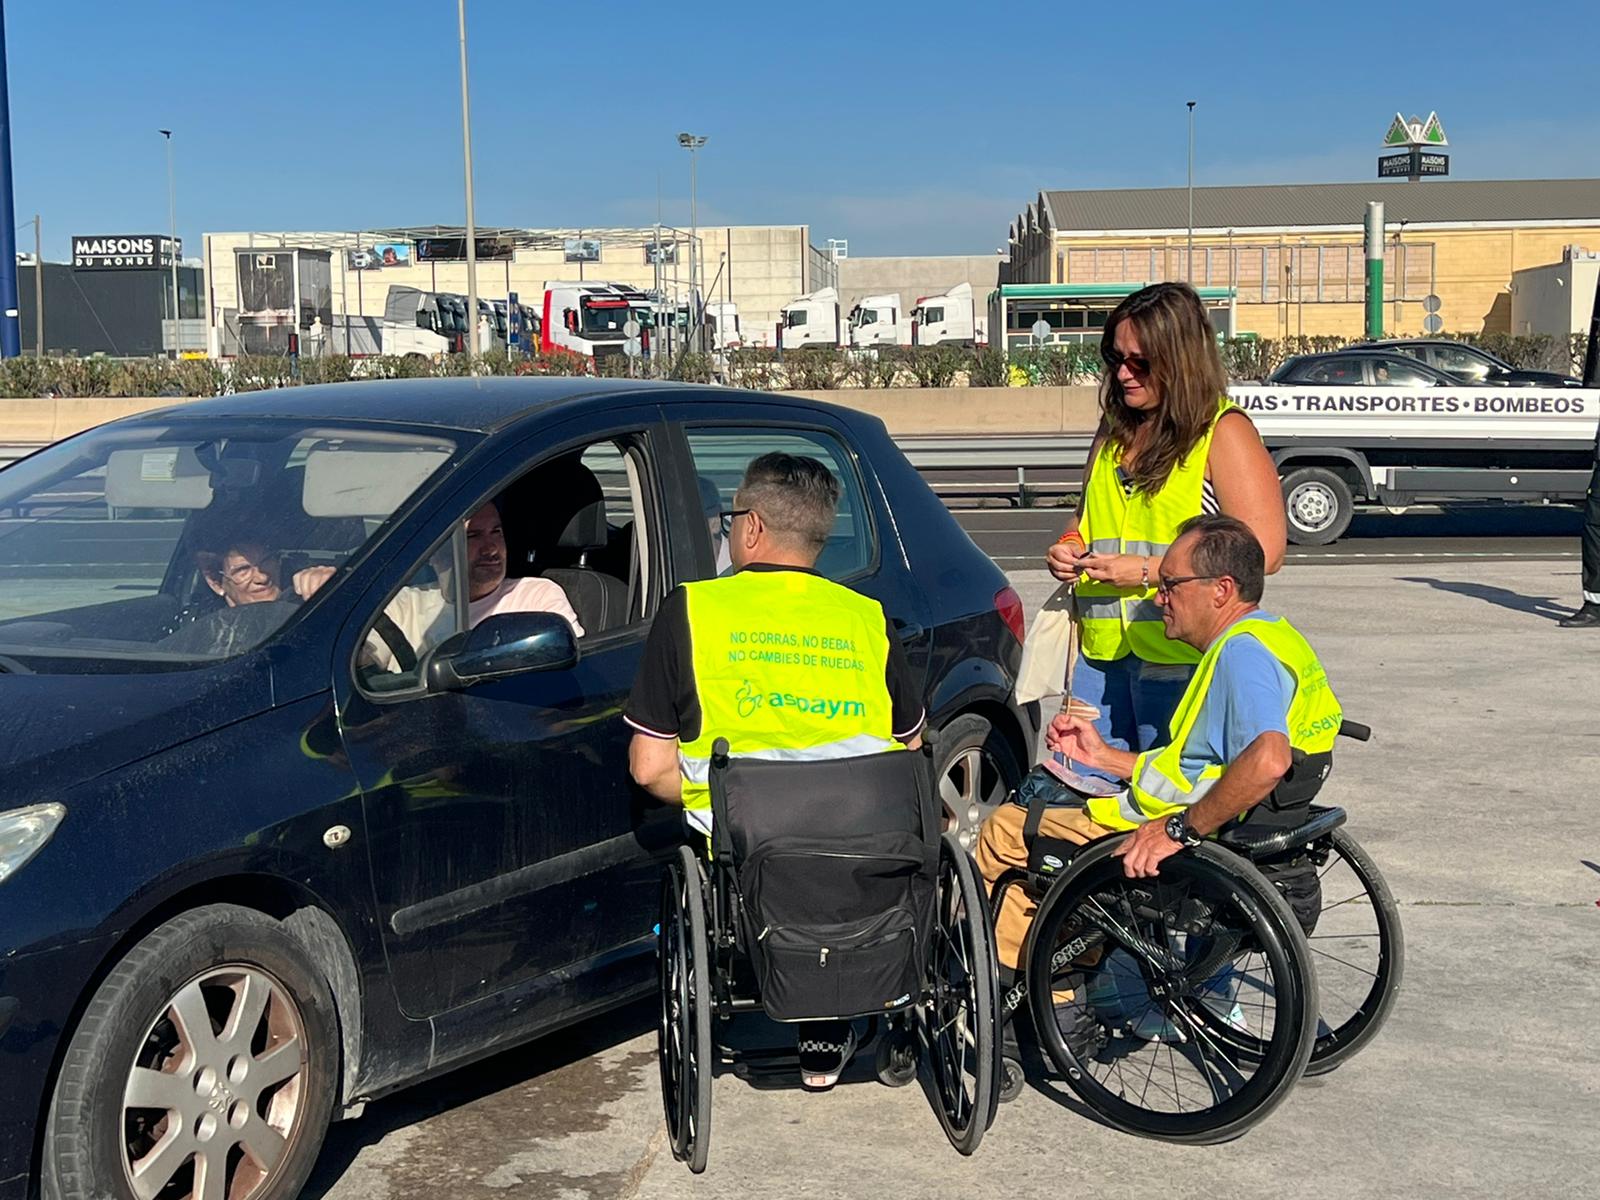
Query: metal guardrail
<point x="1011" y="467"/>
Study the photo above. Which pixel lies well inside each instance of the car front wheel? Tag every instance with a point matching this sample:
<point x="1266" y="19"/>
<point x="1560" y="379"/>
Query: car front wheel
<point x="204" y="1067"/>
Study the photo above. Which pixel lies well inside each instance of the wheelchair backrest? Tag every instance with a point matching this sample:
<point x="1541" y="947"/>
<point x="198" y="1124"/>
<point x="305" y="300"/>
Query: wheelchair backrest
<point x="755" y="800"/>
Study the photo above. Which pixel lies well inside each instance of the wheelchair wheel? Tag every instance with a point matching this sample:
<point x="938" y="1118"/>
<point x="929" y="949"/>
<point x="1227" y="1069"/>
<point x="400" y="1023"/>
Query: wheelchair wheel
<point x="1181" y="1007"/>
<point x="1357" y="951"/>
<point x="684" y="1034"/>
<point x="959" y="1032"/>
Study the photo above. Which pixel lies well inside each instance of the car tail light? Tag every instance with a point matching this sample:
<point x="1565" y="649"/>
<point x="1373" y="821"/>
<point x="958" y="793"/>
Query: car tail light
<point x="1009" y="605"/>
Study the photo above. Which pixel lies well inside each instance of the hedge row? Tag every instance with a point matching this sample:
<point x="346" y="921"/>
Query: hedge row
<point x="812" y="369"/>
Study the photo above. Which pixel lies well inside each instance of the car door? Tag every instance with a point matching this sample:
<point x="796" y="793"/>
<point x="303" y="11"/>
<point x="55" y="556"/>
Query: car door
<point x="499" y="818"/>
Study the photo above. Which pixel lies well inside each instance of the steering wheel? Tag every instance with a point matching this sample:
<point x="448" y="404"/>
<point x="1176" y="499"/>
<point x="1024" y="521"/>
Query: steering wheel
<point x="405" y="658"/>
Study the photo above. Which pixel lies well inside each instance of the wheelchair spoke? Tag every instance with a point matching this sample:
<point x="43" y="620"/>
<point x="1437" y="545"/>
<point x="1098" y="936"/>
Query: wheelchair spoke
<point x="1343" y="962"/>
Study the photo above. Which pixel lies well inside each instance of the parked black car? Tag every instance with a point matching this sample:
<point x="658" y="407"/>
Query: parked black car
<point x="1465" y="364"/>
<point x="1360" y="367"/>
<point x="265" y="860"/>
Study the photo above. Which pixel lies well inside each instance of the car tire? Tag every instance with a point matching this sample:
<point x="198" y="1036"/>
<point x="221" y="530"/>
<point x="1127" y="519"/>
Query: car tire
<point x="220" y="1013"/>
<point x="1318" y="505"/>
<point x="975" y="769"/>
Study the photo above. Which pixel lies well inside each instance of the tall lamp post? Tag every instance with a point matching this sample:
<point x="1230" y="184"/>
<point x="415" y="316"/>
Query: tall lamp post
<point x="692" y="143"/>
<point x="10" y="323"/>
<point x="172" y="227"/>
<point x="1188" y="262"/>
<point x="466" y="152"/>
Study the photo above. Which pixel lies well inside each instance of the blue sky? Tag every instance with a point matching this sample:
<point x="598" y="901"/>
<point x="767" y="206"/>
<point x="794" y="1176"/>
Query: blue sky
<point x="905" y="128"/>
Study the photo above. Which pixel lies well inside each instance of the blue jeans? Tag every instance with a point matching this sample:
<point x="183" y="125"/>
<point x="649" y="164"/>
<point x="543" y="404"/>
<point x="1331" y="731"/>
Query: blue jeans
<point x="1136" y="700"/>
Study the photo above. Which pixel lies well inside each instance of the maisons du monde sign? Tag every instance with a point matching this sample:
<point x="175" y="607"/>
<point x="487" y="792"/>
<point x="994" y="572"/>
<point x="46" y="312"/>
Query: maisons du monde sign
<point x="124" y="251"/>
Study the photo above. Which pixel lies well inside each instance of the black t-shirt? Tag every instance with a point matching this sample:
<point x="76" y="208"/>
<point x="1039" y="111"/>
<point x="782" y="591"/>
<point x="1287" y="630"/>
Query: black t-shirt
<point x="663" y="702"/>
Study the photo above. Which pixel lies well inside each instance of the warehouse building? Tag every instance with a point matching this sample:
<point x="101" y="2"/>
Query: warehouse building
<point x="1291" y="255"/>
<point x="758" y="268"/>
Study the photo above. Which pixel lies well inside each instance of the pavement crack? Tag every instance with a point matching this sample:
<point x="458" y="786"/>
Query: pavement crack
<point x="633" y="1177"/>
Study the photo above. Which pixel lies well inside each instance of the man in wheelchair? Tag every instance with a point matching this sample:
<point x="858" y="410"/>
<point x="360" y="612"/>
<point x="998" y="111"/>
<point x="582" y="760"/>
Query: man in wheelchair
<point x="783" y="664"/>
<point x="1259" y="701"/>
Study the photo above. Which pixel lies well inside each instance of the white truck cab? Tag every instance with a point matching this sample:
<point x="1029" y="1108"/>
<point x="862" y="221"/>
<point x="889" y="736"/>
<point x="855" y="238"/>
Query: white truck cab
<point x="722" y="326"/>
<point x="876" y="322"/>
<point x="590" y="317"/>
<point x="810" y="320"/>
<point x="419" y="322"/>
<point x="946" y="319"/>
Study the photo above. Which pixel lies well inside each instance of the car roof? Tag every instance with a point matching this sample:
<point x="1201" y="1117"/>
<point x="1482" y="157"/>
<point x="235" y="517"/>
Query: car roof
<point x="479" y="405"/>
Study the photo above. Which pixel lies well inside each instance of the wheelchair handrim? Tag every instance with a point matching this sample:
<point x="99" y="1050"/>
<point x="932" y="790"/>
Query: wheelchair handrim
<point x="1119" y="1095"/>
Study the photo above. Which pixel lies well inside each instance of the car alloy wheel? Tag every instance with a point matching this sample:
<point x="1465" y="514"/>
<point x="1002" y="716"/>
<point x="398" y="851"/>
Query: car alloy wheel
<point x="977" y="771"/>
<point x="216" y="1089"/>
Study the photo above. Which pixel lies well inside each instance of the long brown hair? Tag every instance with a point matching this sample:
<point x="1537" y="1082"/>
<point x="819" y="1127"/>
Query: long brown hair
<point x="1185" y="373"/>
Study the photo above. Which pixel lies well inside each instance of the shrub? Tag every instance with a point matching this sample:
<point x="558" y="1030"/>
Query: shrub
<point x="934" y="366"/>
<point x="814" y="369"/>
<point x="877" y="369"/>
<point x="693" y="367"/>
<point x="754" y="367"/>
<point x="988" y="368"/>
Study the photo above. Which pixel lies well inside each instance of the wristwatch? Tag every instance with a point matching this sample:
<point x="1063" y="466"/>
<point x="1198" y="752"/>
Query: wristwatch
<point x="1178" y="830"/>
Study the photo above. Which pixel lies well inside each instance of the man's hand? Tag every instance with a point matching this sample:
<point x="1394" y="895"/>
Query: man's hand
<point x="1142" y="853"/>
<point x="1079" y="740"/>
<point x="307" y="582"/>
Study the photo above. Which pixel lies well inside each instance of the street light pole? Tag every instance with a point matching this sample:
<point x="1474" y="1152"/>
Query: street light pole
<point x="172" y="226"/>
<point x="466" y="151"/>
<point x="1188" y="261"/>
<point x="692" y="144"/>
<point x="38" y="288"/>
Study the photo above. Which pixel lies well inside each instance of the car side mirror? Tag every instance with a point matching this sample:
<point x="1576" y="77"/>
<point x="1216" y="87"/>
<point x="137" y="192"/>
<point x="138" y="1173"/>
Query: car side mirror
<point x="501" y="645"/>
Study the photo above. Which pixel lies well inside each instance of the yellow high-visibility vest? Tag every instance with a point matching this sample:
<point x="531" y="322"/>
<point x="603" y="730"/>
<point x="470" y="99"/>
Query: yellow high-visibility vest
<point x="1117" y="620"/>
<point x="1159" y="786"/>
<point x="787" y="665"/>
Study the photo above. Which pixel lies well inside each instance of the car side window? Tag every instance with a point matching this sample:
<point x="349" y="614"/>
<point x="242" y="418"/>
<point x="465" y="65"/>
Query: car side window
<point x="568" y="536"/>
<point x="1332" y="371"/>
<point x="1458" y="362"/>
<point x="720" y="458"/>
<point x="420" y="614"/>
<point x="1394" y="371"/>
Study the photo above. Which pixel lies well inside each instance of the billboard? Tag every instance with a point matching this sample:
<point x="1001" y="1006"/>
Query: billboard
<point x="580" y="250"/>
<point x="123" y="251"/>
<point x="664" y="253"/>
<point x="454" y="249"/>
<point x="379" y="255"/>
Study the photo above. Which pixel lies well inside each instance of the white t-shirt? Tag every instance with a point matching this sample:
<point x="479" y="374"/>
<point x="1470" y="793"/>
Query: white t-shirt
<point x="426" y="620"/>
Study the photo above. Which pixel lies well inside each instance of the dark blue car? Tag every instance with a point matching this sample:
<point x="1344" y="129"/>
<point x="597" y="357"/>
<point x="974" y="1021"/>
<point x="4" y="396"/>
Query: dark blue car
<point x="312" y="787"/>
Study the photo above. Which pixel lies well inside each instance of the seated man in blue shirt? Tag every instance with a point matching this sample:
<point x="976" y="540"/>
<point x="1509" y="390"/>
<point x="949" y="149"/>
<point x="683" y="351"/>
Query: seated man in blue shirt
<point x="1234" y="751"/>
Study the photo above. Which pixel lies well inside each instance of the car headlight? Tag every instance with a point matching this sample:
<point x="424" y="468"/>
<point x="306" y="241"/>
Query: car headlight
<point x="23" y="833"/>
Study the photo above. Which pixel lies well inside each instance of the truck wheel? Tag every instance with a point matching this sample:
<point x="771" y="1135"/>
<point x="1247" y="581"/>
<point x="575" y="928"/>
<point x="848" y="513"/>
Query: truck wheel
<point x="1318" y="504"/>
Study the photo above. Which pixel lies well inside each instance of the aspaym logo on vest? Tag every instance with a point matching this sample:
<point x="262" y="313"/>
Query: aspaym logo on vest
<point x="749" y="699"/>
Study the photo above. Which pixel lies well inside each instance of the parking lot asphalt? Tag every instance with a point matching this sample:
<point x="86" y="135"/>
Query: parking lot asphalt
<point x="1477" y="799"/>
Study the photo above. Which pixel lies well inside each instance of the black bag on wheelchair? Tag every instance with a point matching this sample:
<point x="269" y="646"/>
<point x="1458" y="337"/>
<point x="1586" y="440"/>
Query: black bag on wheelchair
<point x="834" y="863"/>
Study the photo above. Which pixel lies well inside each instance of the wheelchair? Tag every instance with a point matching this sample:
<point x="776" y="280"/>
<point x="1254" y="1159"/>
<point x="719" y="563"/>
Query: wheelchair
<point x="827" y="893"/>
<point x="1186" y="1006"/>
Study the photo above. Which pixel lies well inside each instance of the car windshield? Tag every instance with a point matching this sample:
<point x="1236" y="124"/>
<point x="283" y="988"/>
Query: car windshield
<point x="163" y="546"/>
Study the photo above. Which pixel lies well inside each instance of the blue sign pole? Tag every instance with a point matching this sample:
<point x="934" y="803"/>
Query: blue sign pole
<point x="514" y="334"/>
<point x="10" y="333"/>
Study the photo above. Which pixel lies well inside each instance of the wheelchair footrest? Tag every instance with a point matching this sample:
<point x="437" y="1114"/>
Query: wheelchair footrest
<point x="1258" y="843"/>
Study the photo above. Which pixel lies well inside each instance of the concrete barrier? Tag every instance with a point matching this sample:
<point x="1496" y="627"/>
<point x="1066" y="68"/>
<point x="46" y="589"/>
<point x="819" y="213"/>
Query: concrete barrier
<point x="24" y="422"/>
<point x="910" y="411"/>
<point x="906" y="411"/>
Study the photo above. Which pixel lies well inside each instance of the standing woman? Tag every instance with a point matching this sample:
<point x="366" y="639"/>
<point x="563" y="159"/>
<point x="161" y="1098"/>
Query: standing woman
<point x="1170" y="446"/>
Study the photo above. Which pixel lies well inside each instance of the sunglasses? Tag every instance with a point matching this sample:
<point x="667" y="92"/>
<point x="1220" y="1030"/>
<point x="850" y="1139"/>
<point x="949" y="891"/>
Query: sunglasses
<point x="1137" y="363"/>
<point x="1165" y="583"/>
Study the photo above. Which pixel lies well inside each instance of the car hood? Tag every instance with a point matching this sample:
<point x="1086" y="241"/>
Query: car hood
<point x="57" y="731"/>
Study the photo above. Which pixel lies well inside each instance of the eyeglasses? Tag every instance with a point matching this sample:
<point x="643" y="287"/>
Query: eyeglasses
<point x="244" y="572"/>
<point x="728" y="514"/>
<point x="1165" y="584"/>
<point x="1137" y="363"/>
